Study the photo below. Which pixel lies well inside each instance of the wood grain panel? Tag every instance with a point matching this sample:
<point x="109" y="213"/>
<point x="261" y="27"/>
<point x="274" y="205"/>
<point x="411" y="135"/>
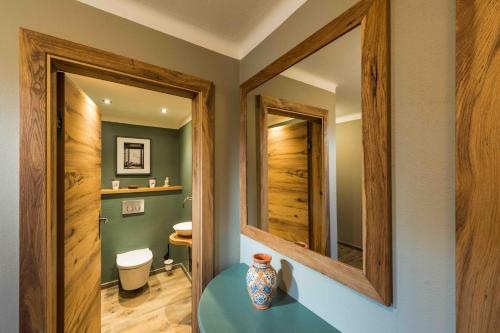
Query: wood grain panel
<point x="288" y="182"/>
<point x="477" y="166"/>
<point x="33" y="182"/>
<point x="318" y="191"/>
<point x="41" y="55"/>
<point x="375" y="103"/>
<point x="376" y="278"/>
<point x="81" y="139"/>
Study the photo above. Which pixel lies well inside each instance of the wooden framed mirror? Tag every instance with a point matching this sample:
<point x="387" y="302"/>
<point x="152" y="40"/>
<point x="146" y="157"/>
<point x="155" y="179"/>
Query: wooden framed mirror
<point x="315" y="152"/>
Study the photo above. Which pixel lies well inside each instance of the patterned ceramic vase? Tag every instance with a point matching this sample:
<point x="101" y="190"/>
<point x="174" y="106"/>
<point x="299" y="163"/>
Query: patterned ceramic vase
<point x="261" y="281"/>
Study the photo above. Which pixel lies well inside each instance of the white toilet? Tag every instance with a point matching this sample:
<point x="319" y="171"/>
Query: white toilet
<point x="134" y="267"/>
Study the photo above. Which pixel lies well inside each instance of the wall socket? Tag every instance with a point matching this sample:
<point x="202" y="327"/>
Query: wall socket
<point x="132" y="207"/>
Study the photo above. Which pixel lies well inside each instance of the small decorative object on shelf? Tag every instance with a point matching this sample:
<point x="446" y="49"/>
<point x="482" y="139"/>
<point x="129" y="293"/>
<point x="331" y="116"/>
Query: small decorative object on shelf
<point x="115" y="184"/>
<point x="167" y="181"/>
<point x="152" y="182"/>
<point x="261" y="281"/>
<point x="133" y="186"/>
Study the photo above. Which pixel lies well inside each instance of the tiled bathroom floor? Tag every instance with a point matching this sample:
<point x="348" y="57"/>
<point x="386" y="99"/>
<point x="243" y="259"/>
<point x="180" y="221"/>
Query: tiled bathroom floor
<point x="163" y="306"/>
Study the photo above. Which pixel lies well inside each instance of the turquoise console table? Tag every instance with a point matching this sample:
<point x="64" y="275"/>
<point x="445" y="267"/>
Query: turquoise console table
<point x="225" y="308"/>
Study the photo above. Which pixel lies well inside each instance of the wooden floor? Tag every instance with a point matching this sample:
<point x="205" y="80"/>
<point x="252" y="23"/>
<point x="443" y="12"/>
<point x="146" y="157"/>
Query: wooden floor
<point x="351" y="256"/>
<point x="162" y="306"/>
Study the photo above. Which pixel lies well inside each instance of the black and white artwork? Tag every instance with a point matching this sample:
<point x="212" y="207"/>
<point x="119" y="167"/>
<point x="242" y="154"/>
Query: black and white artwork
<point x="133" y="156"/>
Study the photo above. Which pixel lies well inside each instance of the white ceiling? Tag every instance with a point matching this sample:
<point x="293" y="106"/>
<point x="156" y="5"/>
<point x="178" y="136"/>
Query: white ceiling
<point x="229" y="27"/>
<point x="235" y="27"/>
<point x="336" y="67"/>
<point x="131" y="105"/>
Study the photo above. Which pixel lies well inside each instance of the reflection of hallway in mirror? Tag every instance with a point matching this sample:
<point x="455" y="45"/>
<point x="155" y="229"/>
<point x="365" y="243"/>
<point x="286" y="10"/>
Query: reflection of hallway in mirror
<point x="350" y="255"/>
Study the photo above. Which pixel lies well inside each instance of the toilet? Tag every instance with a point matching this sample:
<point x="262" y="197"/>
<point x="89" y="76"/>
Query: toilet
<point x="134" y="267"/>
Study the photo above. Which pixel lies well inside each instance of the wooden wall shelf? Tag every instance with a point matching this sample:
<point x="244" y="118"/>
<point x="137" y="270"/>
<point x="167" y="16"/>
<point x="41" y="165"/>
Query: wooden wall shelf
<point x="108" y="191"/>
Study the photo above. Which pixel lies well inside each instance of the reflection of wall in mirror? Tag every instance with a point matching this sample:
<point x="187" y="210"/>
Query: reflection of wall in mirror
<point x="293" y="90"/>
<point x="349" y="183"/>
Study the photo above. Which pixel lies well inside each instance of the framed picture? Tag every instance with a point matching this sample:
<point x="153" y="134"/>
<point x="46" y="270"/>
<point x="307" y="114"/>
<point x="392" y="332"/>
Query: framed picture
<point x="133" y="156"/>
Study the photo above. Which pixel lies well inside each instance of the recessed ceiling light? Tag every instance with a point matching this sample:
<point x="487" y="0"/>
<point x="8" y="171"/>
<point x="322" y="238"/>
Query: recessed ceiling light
<point x="164" y="110"/>
<point x="107" y="101"/>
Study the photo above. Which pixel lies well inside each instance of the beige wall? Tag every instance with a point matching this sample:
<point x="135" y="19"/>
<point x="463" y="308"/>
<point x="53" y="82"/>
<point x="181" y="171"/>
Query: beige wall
<point x="422" y="115"/>
<point x="349" y="172"/>
<point x="72" y="20"/>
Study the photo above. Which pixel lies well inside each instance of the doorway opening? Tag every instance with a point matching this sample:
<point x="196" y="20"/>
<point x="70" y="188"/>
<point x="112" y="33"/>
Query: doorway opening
<point x="135" y="146"/>
<point x="60" y="281"/>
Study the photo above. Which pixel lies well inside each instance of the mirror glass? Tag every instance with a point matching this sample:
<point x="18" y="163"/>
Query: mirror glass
<point x="304" y="130"/>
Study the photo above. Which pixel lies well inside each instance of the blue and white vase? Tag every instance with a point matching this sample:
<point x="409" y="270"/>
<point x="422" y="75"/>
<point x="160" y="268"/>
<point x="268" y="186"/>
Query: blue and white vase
<point x="261" y="281"/>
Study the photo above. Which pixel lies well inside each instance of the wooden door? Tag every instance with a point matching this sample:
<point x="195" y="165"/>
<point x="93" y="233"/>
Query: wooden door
<point x="79" y="169"/>
<point x="478" y="166"/>
<point x="288" y="182"/>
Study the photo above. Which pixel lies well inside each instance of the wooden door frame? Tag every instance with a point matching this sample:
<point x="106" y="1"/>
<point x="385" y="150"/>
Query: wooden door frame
<point x="319" y="212"/>
<point x="40" y="57"/>
<point x="477" y="179"/>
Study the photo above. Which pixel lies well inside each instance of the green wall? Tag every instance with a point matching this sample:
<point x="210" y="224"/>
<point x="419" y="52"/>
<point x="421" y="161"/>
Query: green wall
<point x="170" y="149"/>
<point x="186" y="167"/>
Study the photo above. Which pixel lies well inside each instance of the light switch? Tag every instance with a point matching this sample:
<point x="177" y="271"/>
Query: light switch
<point x="132" y="207"/>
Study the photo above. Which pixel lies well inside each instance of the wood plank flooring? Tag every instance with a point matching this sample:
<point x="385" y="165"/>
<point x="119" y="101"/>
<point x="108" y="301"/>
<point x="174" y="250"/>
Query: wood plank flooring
<point x="162" y="306"/>
<point x="351" y="256"/>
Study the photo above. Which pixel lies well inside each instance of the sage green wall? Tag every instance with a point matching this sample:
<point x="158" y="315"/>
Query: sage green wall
<point x="186" y="167"/>
<point x="161" y="210"/>
<point x="349" y="172"/>
<point x="165" y="153"/>
<point x="84" y="24"/>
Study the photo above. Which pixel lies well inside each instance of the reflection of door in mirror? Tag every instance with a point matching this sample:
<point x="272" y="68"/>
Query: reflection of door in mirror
<point x="286" y="196"/>
<point x="292" y="174"/>
<point x="288" y="181"/>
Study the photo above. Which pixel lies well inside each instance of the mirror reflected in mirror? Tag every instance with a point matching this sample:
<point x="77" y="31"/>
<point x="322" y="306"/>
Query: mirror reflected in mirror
<point x="305" y="154"/>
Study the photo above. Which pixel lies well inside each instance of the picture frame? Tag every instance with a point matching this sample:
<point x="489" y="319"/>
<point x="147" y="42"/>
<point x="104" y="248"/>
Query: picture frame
<point x="133" y="156"/>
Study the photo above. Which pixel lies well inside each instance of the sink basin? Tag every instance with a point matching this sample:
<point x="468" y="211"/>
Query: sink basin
<point x="184" y="228"/>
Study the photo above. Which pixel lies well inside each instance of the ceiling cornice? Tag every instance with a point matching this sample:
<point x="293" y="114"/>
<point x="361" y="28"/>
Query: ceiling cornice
<point x="270" y="23"/>
<point x="137" y="12"/>
<point x="298" y="74"/>
<point x="348" y="117"/>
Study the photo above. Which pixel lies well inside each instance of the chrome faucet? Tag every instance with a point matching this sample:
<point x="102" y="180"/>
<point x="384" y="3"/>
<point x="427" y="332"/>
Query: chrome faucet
<point x="188" y="198"/>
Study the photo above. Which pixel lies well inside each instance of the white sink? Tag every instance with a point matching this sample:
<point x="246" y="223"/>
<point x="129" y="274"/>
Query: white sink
<point x="184" y="228"/>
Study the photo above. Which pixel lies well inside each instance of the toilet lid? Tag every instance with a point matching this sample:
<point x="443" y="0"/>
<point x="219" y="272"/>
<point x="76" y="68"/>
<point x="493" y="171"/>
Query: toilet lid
<point x="133" y="259"/>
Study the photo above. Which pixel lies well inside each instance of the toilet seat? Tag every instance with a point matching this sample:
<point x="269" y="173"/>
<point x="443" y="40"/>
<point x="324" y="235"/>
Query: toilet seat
<point x="133" y="259"/>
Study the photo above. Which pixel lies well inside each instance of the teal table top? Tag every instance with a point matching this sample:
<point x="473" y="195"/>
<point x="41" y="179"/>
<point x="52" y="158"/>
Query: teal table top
<point x="226" y="307"/>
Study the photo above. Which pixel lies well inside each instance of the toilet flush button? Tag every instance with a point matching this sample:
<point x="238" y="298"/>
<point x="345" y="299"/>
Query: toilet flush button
<point x="132" y="207"/>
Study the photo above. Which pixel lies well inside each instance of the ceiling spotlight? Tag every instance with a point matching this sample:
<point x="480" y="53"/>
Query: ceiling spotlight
<point x="107" y="101"/>
<point x="164" y="110"/>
